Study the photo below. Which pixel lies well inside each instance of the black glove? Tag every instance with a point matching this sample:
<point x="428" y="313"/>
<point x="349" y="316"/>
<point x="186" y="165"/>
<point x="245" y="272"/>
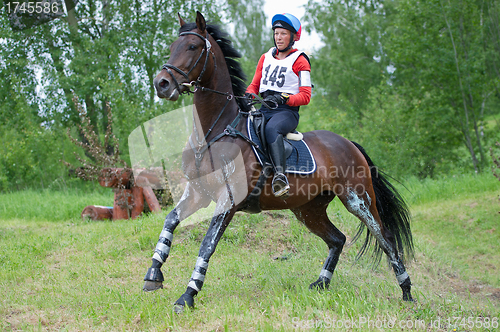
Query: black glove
<point x="280" y="99"/>
<point x="249" y="96"/>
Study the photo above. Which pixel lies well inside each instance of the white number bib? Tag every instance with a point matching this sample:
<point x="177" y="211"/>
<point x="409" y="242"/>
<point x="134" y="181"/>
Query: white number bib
<point x="278" y="75"/>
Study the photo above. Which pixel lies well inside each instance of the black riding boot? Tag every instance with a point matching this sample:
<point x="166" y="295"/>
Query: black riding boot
<point x="280" y="182"/>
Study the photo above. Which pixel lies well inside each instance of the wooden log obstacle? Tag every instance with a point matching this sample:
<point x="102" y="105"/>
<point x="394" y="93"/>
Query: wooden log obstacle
<point x="129" y="195"/>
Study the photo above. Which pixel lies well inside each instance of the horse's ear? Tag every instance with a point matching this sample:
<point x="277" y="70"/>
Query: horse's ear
<point x="200" y="22"/>
<point x="181" y="21"/>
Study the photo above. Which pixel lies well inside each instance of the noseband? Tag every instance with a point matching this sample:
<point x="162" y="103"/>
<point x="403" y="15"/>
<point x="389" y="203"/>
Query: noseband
<point x="207" y="49"/>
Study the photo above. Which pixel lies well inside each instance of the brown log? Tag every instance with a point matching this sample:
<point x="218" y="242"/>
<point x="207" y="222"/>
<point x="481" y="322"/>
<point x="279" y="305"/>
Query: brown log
<point x="151" y="199"/>
<point x="96" y="212"/>
<point x="138" y="202"/>
<point x="115" y="177"/>
<point x="119" y="211"/>
<point x="150" y="178"/>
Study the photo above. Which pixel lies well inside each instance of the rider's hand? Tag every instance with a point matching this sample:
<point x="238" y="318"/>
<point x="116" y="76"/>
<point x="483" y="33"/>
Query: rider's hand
<point x="280" y="99"/>
<point x="249" y="96"/>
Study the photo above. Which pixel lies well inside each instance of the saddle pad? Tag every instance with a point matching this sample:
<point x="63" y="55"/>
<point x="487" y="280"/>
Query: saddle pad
<point x="301" y="161"/>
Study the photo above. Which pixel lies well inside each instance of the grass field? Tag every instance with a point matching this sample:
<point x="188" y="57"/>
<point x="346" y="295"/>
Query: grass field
<point x="58" y="272"/>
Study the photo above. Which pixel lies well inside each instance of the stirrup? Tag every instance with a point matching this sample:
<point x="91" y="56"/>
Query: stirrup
<point x="280" y="185"/>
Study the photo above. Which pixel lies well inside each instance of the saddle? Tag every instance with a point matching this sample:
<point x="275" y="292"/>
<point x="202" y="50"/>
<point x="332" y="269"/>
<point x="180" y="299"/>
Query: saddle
<point x="299" y="157"/>
<point x="259" y="123"/>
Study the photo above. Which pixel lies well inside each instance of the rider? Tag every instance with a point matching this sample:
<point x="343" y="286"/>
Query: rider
<point x="283" y="78"/>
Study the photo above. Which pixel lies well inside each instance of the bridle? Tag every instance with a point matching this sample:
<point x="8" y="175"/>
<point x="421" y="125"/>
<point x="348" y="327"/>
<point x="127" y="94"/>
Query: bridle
<point x="207" y="50"/>
<point x="200" y="146"/>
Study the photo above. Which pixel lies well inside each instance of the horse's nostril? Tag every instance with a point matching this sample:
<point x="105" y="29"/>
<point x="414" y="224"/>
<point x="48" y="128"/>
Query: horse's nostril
<point x="163" y="83"/>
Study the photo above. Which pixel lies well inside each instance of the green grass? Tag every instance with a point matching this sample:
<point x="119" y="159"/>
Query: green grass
<point x="52" y="205"/>
<point x="459" y="217"/>
<point x="66" y="274"/>
<point x="430" y="190"/>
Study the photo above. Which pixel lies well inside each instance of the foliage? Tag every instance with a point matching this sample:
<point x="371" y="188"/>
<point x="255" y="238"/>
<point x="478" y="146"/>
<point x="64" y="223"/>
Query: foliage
<point x="414" y="79"/>
<point x="109" y="55"/>
<point x="439" y="49"/>
<point x="352" y="60"/>
<point x="101" y="154"/>
<point x="251" y="35"/>
<point x="419" y="80"/>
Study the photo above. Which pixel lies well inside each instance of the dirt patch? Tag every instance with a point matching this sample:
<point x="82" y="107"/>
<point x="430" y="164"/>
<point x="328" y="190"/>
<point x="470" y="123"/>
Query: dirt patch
<point x="474" y="287"/>
<point x="446" y="282"/>
<point x="495" y="295"/>
<point x="18" y="319"/>
<point x="473" y="205"/>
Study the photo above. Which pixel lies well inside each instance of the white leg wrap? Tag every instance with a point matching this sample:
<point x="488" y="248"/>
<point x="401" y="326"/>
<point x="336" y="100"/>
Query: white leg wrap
<point x="402" y="277"/>
<point x="198" y="276"/>
<point x="192" y="284"/>
<point x="327" y="274"/>
<point x="163" y="248"/>
<point x="158" y="257"/>
<point x="201" y="263"/>
<point x="167" y="235"/>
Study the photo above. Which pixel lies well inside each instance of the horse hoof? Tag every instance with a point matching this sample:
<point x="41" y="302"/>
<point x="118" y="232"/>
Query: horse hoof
<point x="320" y="284"/>
<point x="178" y="309"/>
<point x="184" y="301"/>
<point x="406" y="288"/>
<point x="407" y="298"/>
<point x="150" y="286"/>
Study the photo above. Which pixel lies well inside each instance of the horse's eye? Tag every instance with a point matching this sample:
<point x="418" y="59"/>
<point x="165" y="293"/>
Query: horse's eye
<point x="192" y="47"/>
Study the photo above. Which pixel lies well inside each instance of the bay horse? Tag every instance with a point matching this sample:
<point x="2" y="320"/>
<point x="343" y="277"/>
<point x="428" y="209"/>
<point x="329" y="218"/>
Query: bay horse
<point x="203" y="59"/>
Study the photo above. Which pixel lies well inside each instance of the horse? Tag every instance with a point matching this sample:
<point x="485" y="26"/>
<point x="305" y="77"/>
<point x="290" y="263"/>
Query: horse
<point x="203" y="62"/>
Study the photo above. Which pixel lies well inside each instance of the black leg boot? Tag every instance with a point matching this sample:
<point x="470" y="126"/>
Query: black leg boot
<point x="280" y="181"/>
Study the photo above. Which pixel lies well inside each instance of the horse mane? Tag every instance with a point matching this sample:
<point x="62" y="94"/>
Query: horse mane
<point x="231" y="55"/>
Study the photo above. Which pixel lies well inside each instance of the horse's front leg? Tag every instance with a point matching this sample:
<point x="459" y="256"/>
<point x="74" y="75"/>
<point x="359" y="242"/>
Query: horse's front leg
<point x="224" y="212"/>
<point x="190" y="202"/>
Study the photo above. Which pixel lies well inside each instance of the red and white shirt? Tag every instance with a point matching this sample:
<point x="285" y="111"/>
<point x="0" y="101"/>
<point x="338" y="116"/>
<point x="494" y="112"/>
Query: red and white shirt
<point x="290" y="75"/>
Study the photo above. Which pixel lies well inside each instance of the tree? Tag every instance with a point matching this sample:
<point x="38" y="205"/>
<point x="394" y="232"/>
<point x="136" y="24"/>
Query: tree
<point x="251" y="36"/>
<point x="353" y="59"/>
<point x="416" y="79"/>
<point x="439" y="51"/>
<point x="104" y="51"/>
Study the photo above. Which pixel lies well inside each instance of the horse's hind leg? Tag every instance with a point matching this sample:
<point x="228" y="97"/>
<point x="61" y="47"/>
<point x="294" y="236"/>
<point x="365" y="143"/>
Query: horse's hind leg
<point x="363" y="206"/>
<point x="314" y="216"/>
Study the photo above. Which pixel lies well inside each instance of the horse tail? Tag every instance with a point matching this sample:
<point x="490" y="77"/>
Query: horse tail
<point x="393" y="212"/>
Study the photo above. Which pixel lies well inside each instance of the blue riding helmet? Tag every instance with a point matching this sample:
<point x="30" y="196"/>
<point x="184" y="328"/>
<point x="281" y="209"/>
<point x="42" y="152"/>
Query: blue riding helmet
<point x="291" y="23"/>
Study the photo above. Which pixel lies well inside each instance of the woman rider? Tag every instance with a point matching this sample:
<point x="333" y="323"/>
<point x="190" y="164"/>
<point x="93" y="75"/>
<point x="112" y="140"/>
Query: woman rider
<point x="282" y="78"/>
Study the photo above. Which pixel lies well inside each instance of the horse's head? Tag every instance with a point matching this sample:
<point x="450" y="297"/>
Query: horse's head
<point x="189" y="60"/>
